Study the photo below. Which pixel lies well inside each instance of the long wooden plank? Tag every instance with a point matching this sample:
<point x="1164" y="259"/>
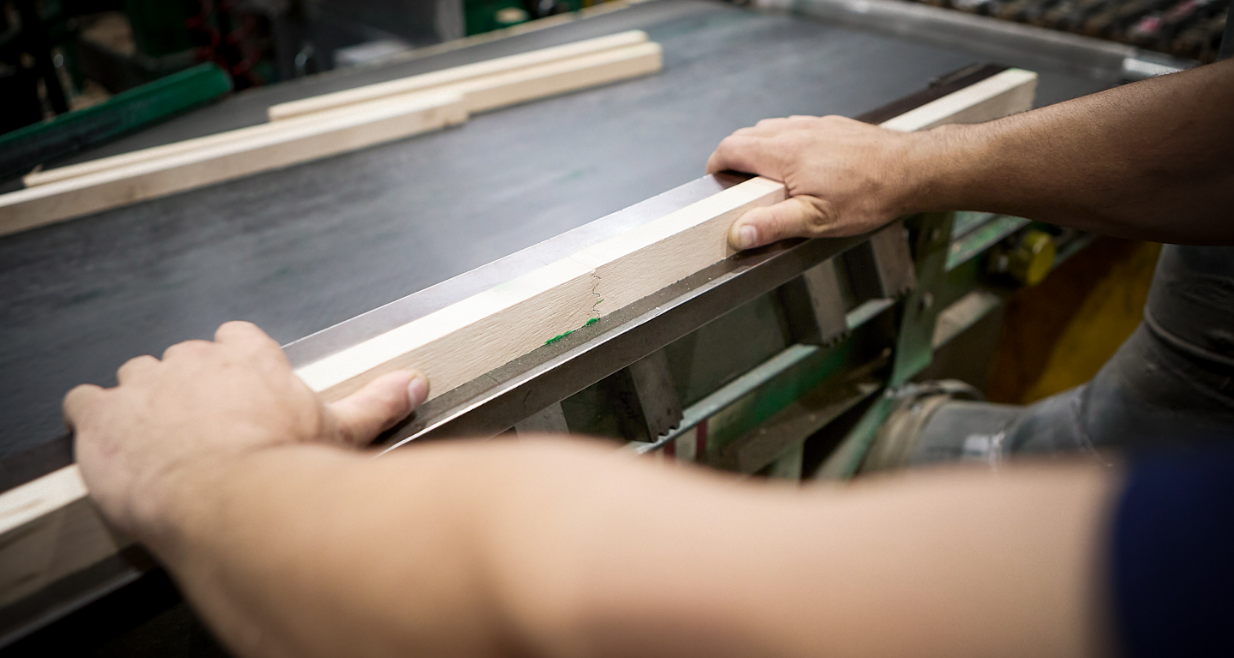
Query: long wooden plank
<point x="319" y="135"/>
<point x="48" y="528"/>
<point x="455" y="75"/>
<point x="58" y="174"/>
<point x="560" y="77"/>
<point x="157" y="152"/>
<point x="302" y="110"/>
<point x="467" y="339"/>
<point x="380" y="122"/>
<point x="995" y="97"/>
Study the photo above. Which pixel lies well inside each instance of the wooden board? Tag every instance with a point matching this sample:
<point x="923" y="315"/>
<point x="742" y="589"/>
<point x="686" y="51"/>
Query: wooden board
<point x="437" y="79"/>
<point x="154" y="153"/>
<point x="463" y="341"/>
<point x="379" y="122"/>
<point x="467" y="339"/>
<point x="175" y="168"/>
<point x="49" y="528"/>
<point x="302" y="110"/>
<point x="157" y="152"/>
<point x="498" y="91"/>
<point x="1001" y="95"/>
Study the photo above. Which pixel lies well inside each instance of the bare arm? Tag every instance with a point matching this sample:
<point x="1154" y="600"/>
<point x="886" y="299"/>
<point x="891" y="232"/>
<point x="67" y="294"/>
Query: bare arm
<point x="1151" y="160"/>
<point x="562" y="547"/>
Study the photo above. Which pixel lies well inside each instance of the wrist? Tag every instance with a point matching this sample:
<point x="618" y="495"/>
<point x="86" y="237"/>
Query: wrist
<point x="191" y="505"/>
<point x="944" y="166"/>
<point x="164" y="507"/>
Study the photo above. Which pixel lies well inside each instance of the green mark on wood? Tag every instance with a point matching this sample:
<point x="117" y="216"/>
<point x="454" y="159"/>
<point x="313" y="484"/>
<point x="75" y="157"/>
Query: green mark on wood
<point x="558" y="337"/>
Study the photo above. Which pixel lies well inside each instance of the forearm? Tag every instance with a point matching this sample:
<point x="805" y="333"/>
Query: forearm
<point x="954" y="563"/>
<point x="1151" y="160"/>
<point x="463" y="549"/>
<point x="314" y="551"/>
<point x="556" y="549"/>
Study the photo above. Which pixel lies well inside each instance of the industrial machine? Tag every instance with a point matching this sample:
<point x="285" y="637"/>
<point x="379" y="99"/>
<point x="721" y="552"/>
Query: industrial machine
<point x="783" y="362"/>
<point x="1190" y="28"/>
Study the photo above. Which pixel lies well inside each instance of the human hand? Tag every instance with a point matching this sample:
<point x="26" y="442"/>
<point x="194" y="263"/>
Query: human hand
<point x="206" y="405"/>
<point x="843" y="177"/>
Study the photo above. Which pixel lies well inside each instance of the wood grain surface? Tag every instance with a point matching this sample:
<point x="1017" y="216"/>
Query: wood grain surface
<point x="282" y="112"/>
<point x="258" y="151"/>
<point x="457" y="74"/>
<point x="95" y="186"/>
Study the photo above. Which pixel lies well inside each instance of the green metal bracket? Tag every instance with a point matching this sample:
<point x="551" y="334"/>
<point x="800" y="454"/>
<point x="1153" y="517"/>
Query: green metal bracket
<point x="982" y="238"/>
<point x="21" y="150"/>
<point x="914" y="342"/>
<point x="915" y="339"/>
<point x="847" y="457"/>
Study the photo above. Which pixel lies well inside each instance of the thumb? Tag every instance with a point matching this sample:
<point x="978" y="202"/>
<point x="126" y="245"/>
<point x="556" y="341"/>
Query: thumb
<point x="361" y="416"/>
<point x="796" y="217"/>
<point x="79" y="402"/>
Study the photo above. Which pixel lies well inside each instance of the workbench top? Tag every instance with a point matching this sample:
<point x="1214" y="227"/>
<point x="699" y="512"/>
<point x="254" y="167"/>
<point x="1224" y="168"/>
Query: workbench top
<point x="298" y="250"/>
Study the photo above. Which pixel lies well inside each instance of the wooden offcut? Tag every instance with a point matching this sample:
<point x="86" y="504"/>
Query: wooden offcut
<point x="339" y="132"/>
<point x="451" y="76"/>
<point x="559" y="77"/>
<point x="92" y="187"/>
<point x="47" y="176"/>
<point x="298" y="112"/>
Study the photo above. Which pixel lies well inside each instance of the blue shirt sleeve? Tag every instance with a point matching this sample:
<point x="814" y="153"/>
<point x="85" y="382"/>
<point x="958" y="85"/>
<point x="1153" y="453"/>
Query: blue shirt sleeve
<point x="1173" y="556"/>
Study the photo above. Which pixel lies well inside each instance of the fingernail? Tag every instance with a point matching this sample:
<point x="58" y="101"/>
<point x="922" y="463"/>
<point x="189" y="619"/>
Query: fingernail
<point x="747" y="237"/>
<point x="418" y="390"/>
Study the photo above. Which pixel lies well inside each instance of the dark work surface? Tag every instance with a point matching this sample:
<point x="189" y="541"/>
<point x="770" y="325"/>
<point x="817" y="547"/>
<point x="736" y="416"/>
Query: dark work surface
<point x="301" y="249"/>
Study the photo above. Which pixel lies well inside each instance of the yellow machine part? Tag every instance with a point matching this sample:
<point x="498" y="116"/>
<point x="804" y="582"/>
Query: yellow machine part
<point x="1058" y="334"/>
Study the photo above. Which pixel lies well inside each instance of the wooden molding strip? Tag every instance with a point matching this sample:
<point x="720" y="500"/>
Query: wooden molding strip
<point x="465" y="340"/>
<point x="351" y="97"/>
<point x="560" y="77"/>
<point x="469" y="338"/>
<point x="49" y="528"/>
<point x="156" y="152"/>
<point x="437" y="79"/>
<point x="379" y="122"/>
<point x="161" y="171"/>
<point x="1007" y="93"/>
